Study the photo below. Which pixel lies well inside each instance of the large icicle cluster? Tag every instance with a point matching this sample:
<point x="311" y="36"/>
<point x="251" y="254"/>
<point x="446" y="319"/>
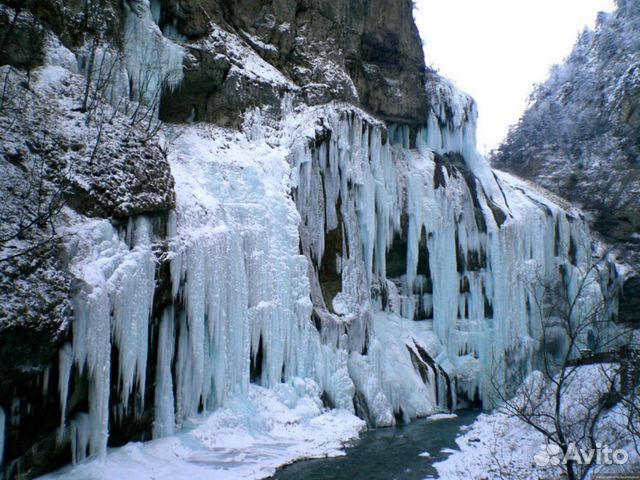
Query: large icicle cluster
<point x="391" y="272"/>
<point x="240" y="292"/>
<point x="349" y="191"/>
<point x="153" y="62"/>
<point x="391" y="277"/>
<point x="470" y="243"/>
<point x="135" y="80"/>
<point x="112" y="309"/>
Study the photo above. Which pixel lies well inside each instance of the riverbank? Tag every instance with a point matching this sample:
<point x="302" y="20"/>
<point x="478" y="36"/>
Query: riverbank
<point x="403" y="452"/>
<point x="247" y="440"/>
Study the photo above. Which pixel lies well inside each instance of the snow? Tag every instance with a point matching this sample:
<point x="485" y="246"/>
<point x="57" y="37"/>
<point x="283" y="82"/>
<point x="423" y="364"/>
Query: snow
<point x="499" y="445"/>
<point x="241" y="366"/>
<point x="442" y="416"/>
<point x="244" y="58"/>
<point x="250" y="439"/>
<point x="57" y="55"/>
<point x="240" y="284"/>
<point x="447" y="451"/>
<point x="237" y="211"/>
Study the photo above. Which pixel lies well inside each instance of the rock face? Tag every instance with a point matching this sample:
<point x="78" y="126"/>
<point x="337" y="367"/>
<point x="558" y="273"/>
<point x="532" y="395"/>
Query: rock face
<point x="366" y="52"/>
<point x="65" y="154"/>
<point x="76" y="146"/>
<point x="151" y="271"/>
<point x="580" y="138"/>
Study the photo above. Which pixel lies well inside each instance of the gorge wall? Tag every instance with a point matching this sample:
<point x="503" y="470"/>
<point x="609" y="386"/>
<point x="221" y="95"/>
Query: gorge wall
<point x="579" y="136"/>
<point x="237" y="193"/>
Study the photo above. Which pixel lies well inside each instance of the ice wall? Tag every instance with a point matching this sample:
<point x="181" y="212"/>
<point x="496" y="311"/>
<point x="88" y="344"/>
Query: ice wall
<point x="395" y="275"/>
<point x="392" y="270"/>
<point x="475" y="246"/>
<point x="112" y="309"/>
<point x="322" y="248"/>
<point x="239" y="284"/>
<point x="152" y="62"/>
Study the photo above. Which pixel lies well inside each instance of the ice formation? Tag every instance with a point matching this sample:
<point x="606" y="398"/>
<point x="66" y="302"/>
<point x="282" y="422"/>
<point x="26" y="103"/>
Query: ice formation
<point x="387" y="343"/>
<point x="152" y="61"/>
<point x="250" y="439"/>
<point x="113" y="307"/>
<point x="390" y="272"/>
<point x="267" y="287"/>
<point x="150" y="65"/>
<point x="468" y="237"/>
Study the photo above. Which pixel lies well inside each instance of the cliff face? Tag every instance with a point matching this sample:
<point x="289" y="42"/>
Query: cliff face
<point x="232" y="197"/>
<point x="367" y="53"/>
<point x="580" y="136"/>
<point x="83" y="85"/>
<point x="66" y="153"/>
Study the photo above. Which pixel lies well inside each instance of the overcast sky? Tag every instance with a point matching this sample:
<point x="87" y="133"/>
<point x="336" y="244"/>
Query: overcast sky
<point x="497" y="49"/>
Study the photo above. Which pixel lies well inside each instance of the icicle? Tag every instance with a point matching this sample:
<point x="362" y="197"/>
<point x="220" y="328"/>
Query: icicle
<point x="242" y="292"/>
<point x="92" y="351"/>
<point x="152" y="61"/>
<point x="116" y="295"/>
<point x="155" y="7"/>
<point x="45" y="381"/>
<point x="164" y="423"/>
<point x="65" y="366"/>
<point x="132" y="303"/>
<point x="81" y="426"/>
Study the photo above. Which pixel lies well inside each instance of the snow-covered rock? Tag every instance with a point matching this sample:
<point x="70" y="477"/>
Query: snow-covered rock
<point x="579" y="136"/>
<point x="314" y="264"/>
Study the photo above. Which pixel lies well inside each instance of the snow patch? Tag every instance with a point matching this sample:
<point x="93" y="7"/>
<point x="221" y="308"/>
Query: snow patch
<point x="249" y="439"/>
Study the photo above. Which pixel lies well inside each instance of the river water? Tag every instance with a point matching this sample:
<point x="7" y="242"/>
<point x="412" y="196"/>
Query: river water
<point x="388" y="453"/>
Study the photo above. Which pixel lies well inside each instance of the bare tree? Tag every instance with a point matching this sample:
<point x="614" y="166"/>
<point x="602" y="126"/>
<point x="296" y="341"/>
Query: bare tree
<point x="104" y="99"/>
<point x="629" y="403"/>
<point x="94" y="22"/>
<point x="576" y="329"/>
<point x="37" y="196"/>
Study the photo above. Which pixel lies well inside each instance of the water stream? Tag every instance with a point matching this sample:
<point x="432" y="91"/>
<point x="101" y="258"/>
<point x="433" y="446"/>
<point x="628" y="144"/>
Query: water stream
<point x="404" y="452"/>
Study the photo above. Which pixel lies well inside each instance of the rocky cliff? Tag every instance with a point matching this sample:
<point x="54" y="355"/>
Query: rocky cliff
<point x="579" y="137"/>
<point x="367" y="53"/>
<point x="210" y="200"/>
<point x="81" y="140"/>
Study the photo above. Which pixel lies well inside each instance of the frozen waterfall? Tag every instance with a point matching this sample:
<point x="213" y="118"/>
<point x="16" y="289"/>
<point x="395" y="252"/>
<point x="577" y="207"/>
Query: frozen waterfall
<point x="388" y="275"/>
<point x="389" y="268"/>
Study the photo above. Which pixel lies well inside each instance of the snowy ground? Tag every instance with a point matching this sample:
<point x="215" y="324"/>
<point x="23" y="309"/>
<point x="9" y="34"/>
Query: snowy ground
<point x="248" y="440"/>
<point x="500" y="446"/>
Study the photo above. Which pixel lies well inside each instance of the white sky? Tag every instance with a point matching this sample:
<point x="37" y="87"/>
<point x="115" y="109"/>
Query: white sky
<point x="496" y="50"/>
